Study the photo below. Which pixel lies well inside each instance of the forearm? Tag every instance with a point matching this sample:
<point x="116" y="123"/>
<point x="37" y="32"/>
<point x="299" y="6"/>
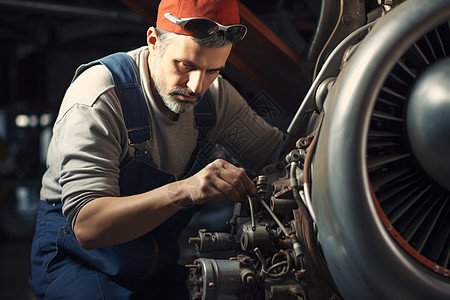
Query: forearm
<point x="113" y="220"/>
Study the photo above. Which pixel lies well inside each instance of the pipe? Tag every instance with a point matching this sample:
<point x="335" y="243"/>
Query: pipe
<point x="72" y="10"/>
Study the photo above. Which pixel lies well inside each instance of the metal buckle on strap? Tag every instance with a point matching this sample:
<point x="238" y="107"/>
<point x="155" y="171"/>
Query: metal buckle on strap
<point x="139" y="148"/>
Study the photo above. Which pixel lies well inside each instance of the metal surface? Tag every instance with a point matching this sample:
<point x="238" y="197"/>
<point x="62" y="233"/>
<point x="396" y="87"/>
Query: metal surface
<point x="365" y="261"/>
<point x="331" y="68"/>
<point x="351" y="15"/>
<point x="277" y="257"/>
<point x="428" y="121"/>
<point x="215" y="279"/>
<point x="329" y="13"/>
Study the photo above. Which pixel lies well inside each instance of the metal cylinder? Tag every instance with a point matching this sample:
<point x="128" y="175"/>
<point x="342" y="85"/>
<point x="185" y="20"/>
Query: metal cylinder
<point x="282" y="206"/>
<point x="219" y="279"/>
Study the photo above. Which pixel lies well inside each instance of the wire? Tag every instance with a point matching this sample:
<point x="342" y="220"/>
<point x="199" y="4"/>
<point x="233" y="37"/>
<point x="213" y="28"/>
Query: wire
<point x="285" y="264"/>
<point x="252" y="215"/>
<point x="286" y="233"/>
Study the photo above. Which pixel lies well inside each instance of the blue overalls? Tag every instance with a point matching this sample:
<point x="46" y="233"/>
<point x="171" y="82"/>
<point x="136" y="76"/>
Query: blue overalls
<point x="144" y="268"/>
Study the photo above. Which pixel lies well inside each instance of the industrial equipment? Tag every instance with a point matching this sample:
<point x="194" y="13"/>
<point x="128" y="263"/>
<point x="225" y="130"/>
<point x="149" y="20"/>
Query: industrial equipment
<point x="359" y="208"/>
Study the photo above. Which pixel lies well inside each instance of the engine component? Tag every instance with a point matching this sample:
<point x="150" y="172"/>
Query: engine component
<point x="254" y="237"/>
<point x="362" y="209"/>
<point x="382" y="214"/>
<point x="206" y="242"/>
<point x="222" y="279"/>
<point x="277" y="255"/>
<point x="427" y="121"/>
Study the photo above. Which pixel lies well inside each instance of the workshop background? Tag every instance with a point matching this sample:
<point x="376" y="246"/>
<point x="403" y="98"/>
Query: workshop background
<point x="43" y="42"/>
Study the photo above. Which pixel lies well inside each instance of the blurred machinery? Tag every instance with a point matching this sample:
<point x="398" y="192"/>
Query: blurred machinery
<point x="359" y="208"/>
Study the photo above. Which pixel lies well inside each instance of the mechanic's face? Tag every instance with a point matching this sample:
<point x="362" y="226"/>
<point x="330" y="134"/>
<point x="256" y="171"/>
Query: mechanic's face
<point x="184" y="71"/>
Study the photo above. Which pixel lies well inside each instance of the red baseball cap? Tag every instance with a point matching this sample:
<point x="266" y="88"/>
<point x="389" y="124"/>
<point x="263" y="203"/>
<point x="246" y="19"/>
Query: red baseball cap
<point x="225" y="12"/>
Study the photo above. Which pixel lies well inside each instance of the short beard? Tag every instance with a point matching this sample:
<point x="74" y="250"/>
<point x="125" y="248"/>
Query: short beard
<point x="170" y="98"/>
<point x="176" y="105"/>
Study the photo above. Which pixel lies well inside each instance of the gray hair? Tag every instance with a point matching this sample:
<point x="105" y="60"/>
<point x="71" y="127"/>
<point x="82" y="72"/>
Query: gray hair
<point x="214" y="41"/>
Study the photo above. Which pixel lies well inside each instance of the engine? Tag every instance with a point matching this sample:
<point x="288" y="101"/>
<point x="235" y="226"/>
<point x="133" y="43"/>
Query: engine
<point x="273" y="240"/>
<point x="359" y="208"/>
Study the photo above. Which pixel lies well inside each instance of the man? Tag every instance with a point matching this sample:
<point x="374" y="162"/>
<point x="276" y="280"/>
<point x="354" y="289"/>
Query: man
<point x="126" y="164"/>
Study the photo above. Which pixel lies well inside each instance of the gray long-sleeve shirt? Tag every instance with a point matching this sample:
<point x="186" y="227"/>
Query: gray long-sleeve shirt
<point x="90" y="138"/>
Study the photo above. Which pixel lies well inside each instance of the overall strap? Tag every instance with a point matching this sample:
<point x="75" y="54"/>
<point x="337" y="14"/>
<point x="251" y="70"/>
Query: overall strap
<point x="129" y="91"/>
<point x="128" y="88"/>
<point x="205" y="116"/>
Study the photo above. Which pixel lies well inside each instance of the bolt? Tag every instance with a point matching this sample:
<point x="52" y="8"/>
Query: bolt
<point x="346" y="19"/>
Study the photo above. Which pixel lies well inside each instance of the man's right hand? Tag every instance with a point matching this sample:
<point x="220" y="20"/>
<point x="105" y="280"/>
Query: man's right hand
<point x="220" y="180"/>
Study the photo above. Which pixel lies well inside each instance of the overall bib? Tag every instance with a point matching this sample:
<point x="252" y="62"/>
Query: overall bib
<point x="144" y="268"/>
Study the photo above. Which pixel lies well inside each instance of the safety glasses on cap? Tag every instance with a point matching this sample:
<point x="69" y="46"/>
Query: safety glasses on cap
<point x="203" y="28"/>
